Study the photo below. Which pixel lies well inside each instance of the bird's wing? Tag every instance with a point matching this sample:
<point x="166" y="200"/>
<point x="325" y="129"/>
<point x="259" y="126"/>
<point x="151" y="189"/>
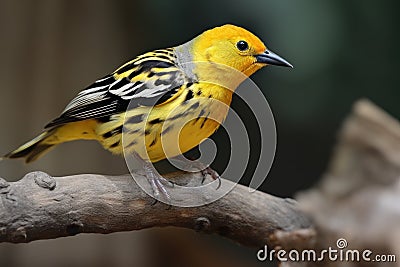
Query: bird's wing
<point x="149" y="80"/>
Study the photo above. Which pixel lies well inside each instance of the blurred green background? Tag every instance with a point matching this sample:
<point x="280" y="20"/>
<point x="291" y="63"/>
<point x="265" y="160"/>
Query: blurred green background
<point x="342" y="50"/>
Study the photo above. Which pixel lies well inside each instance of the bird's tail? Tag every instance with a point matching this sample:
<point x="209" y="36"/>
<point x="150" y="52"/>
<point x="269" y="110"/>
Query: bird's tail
<point x="47" y="140"/>
<point x="33" y="149"/>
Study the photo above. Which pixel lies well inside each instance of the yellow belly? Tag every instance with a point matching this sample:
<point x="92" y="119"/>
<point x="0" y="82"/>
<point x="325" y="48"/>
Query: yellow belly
<point x="183" y="136"/>
<point x="173" y="128"/>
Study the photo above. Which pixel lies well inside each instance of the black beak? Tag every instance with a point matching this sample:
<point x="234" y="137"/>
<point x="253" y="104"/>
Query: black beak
<point x="272" y="59"/>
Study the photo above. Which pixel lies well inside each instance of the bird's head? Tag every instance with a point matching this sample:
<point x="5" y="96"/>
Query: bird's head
<point x="235" y="47"/>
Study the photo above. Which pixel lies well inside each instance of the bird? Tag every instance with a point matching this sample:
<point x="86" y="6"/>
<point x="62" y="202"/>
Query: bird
<point x="162" y="103"/>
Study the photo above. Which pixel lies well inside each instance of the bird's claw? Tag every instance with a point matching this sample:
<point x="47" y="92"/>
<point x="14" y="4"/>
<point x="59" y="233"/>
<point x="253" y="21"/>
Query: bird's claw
<point x="214" y="175"/>
<point x="203" y="169"/>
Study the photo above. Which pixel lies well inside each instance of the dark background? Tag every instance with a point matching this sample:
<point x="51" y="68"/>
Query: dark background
<point x="342" y="51"/>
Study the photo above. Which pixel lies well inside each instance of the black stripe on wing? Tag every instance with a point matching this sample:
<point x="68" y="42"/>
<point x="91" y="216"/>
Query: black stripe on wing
<point x="103" y="108"/>
<point x="110" y="104"/>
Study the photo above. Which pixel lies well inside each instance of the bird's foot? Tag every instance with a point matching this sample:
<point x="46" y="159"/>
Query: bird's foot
<point x="158" y="183"/>
<point x="192" y="165"/>
<point x="214" y="175"/>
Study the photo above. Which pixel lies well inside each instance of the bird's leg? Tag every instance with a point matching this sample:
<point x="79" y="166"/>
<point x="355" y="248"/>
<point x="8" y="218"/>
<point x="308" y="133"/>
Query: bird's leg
<point x="156" y="181"/>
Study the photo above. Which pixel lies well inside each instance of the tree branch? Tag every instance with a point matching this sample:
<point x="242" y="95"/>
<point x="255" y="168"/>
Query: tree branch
<point x="41" y="207"/>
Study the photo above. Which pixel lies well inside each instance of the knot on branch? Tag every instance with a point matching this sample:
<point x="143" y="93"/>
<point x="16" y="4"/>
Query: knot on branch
<point x="74" y="228"/>
<point x="19" y="234"/>
<point x="202" y="224"/>
<point x="4" y="186"/>
<point x="42" y="179"/>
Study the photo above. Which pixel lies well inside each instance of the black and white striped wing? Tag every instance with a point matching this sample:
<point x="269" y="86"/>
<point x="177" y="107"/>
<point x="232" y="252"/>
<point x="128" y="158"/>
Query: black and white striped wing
<point x="137" y="83"/>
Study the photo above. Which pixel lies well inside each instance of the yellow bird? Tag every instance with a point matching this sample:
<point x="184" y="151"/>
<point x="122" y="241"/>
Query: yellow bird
<point x="159" y="99"/>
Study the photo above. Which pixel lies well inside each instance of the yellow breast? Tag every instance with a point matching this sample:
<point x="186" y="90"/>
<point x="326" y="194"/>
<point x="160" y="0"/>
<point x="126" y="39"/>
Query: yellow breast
<point x="177" y="126"/>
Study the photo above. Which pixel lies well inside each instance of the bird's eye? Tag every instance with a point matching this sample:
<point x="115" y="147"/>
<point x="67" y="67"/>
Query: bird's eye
<point x="242" y="45"/>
